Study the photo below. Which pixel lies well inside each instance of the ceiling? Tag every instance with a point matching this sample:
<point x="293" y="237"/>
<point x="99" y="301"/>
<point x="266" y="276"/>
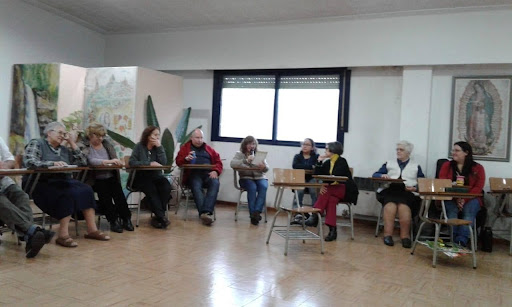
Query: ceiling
<point x="142" y="16"/>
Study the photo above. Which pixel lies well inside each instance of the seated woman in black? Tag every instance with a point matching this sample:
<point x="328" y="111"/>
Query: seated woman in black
<point x="152" y="183"/>
<point x="57" y="194"/>
<point x="107" y="183"/>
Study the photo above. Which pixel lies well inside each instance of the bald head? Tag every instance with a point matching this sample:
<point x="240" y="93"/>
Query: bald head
<point x="197" y="138"/>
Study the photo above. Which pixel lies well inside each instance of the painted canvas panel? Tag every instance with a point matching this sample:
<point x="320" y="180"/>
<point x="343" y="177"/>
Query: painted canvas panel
<point x="35" y="93"/>
<point x="110" y="100"/>
<point x="481" y="115"/>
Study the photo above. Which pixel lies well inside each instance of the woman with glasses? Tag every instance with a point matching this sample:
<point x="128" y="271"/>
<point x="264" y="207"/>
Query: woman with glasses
<point x="463" y="165"/>
<point x="253" y="181"/>
<point x="306" y="159"/>
<point x="331" y="163"/>
<point x="107" y="184"/>
<point x="399" y="197"/>
<point x="57" y="194"/>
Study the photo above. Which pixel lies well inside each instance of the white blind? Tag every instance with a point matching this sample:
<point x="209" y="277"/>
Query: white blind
<point x="311" y="82"/>
<point x="249" y="82"/>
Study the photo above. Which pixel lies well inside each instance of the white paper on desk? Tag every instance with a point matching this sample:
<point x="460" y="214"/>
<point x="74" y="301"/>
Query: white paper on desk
<point x="259" y="157"/>
<point x="12" y="169"/>
<point x="65" y="166"/>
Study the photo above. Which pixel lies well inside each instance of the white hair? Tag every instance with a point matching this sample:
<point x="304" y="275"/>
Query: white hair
<point x="52" y="126"/>
<point x="407" y="146"/>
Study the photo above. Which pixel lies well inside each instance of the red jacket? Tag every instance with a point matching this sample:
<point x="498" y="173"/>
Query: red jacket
<point x="476" y="178"/>
<point x="185" y="150"/>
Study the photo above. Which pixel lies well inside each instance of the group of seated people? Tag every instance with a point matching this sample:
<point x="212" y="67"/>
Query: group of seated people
<point x="61" y="196"/>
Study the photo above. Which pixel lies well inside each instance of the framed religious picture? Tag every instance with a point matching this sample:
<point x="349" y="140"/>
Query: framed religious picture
<point x="481" y="115"/>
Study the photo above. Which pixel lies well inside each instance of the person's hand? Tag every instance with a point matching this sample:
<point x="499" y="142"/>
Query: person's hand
<point x="112" y="162"/>
<point x="250" y="158"/>
<point x="214" y="175"/>
<point x="154" y="163"/>
<point x="323" y="190"/>
<point x="71" y="137"/>
<point x="155" y="142"/>
<point x="190" y="156"/>
<point x="460" y="203"/>
<point x="261" y="166"/>
<point x="411" y="189"/>
<point x="3" y="165"/>
<point x="59" y="163"/>
<point x="322" y="157"/>
<point x="385" y="176"/>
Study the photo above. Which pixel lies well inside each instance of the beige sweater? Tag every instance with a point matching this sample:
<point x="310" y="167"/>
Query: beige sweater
<point x="240" y="161"/>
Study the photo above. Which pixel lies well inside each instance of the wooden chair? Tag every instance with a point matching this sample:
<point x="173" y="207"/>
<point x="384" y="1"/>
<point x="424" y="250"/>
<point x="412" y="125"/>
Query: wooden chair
<point x="293" y="179"/>
<point x="501" y="188"/>
<point x="439" y="185"/>
<point x="242" y="204"/>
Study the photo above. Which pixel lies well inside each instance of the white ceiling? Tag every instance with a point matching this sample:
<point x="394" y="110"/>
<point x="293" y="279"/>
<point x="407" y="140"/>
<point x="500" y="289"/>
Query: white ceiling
<point x="139" y="16"/>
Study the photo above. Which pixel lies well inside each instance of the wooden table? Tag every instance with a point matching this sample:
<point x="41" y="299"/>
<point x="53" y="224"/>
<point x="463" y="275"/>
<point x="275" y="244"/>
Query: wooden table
<point x="33" y="178"/>
<point x="386" y="180"/>
<point x="197" y="166"/>
<point x="331" y="178"/>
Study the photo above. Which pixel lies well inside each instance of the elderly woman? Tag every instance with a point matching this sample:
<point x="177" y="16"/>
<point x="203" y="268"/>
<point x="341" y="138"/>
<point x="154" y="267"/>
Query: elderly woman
<point x="462" y="164"/>
<point x="57" y="194"/>
<point x="331" y="163"/>
<point x="107" y="183"/>
<point x="253" y="181"/>
<point x="153" y="184"/>
<point x="398" y="197"/>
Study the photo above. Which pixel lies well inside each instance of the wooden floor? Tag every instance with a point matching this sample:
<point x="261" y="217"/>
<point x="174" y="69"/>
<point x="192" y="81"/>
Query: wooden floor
<point x="229" y="264"/>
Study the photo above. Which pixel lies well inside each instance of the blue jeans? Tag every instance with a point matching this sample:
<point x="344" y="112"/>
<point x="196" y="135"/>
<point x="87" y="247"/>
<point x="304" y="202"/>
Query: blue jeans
<point x="312" y="194"/>
<point x="469" y="211"/>
<point x="204" y="203"/>
<point x="253" y="187"/>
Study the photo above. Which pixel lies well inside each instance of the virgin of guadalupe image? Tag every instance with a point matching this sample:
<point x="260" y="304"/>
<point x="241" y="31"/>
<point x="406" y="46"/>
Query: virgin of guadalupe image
<point x="479" y="116"/>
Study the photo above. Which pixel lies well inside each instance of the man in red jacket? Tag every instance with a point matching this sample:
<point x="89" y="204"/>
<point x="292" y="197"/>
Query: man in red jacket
<point x="196" y="151"/>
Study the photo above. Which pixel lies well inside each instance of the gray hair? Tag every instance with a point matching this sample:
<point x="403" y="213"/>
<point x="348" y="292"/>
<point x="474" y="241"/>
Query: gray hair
<point x="335" y="147"/>
<point x="407" y="146"/>
<point x="52" y="126"/>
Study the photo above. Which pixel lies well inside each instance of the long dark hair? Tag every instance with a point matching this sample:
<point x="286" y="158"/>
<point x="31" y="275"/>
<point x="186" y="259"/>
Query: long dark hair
<point x="468" y="162"/>
<point x="146" y="133"/>
<point x="248" y="139"/>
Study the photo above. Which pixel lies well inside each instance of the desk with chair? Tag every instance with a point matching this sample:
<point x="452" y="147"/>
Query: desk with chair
<point x="434" y="189"/>
<point x="501" y="189"/>
<point x="294" y="179"/>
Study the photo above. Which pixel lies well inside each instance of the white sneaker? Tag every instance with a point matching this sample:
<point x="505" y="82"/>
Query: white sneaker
<point x="207" y="218"/>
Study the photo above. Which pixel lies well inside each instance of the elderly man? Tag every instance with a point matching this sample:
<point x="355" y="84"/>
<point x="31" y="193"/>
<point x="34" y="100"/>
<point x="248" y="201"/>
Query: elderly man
<point x="198" y="152"/>
<point x="15" y="209"/>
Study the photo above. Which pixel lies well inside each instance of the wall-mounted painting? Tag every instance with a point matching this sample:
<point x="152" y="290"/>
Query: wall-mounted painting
<point x="481" y="115"/>
<point x="110" y="100"/>
<point x="35" y="93"/>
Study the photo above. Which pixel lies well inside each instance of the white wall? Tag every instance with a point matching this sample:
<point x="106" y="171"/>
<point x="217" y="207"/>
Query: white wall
<point x="30" y="35"/>
<point x="450" y="38"/>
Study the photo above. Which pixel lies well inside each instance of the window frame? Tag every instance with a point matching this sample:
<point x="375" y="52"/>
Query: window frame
<point x="343" y="102"/>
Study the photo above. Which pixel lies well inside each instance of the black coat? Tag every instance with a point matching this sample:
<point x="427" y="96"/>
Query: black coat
<point x="340" y="169"/>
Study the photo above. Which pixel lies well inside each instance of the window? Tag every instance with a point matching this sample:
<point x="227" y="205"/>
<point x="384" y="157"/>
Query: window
<point x="281" y="107"/>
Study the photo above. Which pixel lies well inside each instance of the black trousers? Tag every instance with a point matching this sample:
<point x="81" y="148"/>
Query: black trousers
<point x="158" y="191"/>
<point x="110" y="189"/>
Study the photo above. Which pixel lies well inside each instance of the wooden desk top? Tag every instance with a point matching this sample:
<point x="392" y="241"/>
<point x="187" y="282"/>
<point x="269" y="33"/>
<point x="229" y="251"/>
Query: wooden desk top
<point x="148" y="168"/>
<point x="197" y="166"/>
<point x="331" y="178"/>
<point x="15" y="171"/>
<point x="299" y="184"/>
<point x="386" y="180"/>
<point x="451" y="194"/>
<point x="246" y="169"/>
<point x="106" y="167"/>
<point x="57" y="169"/>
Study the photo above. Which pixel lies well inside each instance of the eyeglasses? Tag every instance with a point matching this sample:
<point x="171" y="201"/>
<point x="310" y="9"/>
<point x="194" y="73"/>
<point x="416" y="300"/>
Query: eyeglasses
<point x="100" y="135"/>
<point x="400" y="149"/>
<point x="306" y="144"/>
<point x="60" y="132"/>
<point x="456" y="150"/>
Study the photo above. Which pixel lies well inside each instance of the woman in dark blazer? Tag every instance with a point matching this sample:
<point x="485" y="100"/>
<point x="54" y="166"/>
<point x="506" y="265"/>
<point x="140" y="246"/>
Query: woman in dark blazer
<point x="333" y="164"/>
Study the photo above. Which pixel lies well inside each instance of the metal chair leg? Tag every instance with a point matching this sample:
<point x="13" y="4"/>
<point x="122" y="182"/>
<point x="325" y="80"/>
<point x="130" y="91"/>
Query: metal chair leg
<point x="436" y="239"/>
<point x="378" y="222"/>
<point x="320" y="232"/>
<point x="138" y="212"/>
<point x="351" y="212"/>
<point x="287" y="233"/>
<point x="272" y="226"/>
<point x="473" y="244"/>
<point x="418" y="235"/>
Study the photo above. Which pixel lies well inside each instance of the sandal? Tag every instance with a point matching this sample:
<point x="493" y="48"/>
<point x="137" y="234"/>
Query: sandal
<point x="66" y="242"/>
<point x="97" y="235"/>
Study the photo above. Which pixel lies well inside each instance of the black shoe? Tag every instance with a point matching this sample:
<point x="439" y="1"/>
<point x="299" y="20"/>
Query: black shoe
<point x="165" y="221"/>
<point x="254" y="218"/>
<point x="258" y="215"/>
<point x="156" y="223"/>
<point x="48" y="235"/>
<point x="127" y="224"/>
<point x="312" y="221"/>
<point x="406" y="243"/>
<point x="34" y="244"/>
<point x="116" y="227"/>
<point x="388" y="240"/>
<point x="333" y="234"/>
